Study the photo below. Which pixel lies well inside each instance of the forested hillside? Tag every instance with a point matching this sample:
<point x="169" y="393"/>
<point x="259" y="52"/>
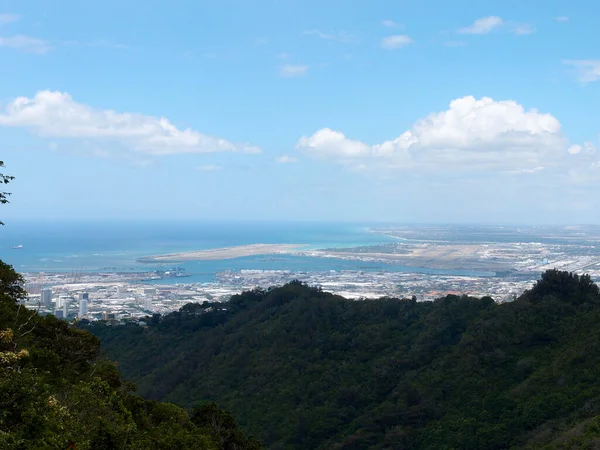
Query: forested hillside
<point x="305" y="369"/>
<point x="57" y="392"/>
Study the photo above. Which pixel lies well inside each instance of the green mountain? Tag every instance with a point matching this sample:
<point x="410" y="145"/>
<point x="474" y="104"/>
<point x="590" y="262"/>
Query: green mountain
<point x="305" y="369"/>
<point x="58" y="392"/>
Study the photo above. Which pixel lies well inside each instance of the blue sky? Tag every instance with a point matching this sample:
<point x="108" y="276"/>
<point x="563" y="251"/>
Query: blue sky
<point x="429" y="111"/>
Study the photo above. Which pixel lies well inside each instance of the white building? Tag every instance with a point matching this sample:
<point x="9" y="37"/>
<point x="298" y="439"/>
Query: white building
<point x="61" y="300"/>
<point x="46" y="297"/>
<point x="148" y="304"/>
<point x="83" y="310"/>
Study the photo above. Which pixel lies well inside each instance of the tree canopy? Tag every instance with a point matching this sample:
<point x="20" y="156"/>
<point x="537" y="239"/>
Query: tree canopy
<point x="57" y="391"/>
<point x="302" y="368"/>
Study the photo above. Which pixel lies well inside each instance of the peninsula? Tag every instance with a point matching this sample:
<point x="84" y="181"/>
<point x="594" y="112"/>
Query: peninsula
<point x="222" y="253"/>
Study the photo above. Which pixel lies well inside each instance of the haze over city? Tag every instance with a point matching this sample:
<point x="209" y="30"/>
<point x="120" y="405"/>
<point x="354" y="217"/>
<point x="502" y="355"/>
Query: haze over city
<point x="470" y="111"/>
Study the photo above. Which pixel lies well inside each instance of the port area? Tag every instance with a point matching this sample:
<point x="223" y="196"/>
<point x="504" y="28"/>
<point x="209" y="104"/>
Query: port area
<point x="175" y="272"/>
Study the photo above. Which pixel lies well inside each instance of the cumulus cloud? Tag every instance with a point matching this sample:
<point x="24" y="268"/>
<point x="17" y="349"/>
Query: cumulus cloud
<point x="327" y="143"/>
<point x="389" y="23"/>
<point x="286" y="159"/>
<point x="396" y="41"/>
<point x="56" y="114"/>
<point x="8" y="18"/>
<point x="293" y="70"/>
<point x="587" y="70"/>
<point x="473" y="134"/>
<point x="483" y="25"/>
<point x="25" y="43"/>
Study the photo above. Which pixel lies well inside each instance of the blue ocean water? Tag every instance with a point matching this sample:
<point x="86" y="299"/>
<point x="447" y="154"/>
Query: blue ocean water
<point x="60" y="246"/>
<point x="115" y="246"/>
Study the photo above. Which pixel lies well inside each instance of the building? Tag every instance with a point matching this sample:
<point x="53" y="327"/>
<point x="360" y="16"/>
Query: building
<point x="61" y="300"/>
<point x="46" y="297"/>
<point x="108" y="316"/>
<point x="83" y="310"/>
<point x="148" y="304"/>
<point x="84" y="296"/>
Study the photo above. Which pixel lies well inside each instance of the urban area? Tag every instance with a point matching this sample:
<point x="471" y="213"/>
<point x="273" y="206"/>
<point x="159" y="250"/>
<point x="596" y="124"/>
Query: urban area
<point x="501" y="270"/>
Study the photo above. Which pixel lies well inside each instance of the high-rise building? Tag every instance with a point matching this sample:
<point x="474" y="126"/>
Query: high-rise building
<point x="65" y="308"/>
<point x="82" y="308"/>
<point x="84" y="296"/>
<point x="148" y="304"/>
<point x="46" y="297"/>
<point x="61" y="300"/>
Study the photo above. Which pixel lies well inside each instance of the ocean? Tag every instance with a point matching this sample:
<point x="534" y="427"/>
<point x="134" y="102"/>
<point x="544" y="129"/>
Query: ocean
<point x="115" y="246"/>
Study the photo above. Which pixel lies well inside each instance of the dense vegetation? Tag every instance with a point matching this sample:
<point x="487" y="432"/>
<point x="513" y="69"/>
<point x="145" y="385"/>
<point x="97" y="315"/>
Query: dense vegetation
<point x="56" y="392"/>
<point x="306" y="369"/>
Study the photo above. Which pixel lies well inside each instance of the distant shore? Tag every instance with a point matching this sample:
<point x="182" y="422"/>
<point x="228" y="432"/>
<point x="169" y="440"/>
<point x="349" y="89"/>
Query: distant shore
<point x="223" y="253"/>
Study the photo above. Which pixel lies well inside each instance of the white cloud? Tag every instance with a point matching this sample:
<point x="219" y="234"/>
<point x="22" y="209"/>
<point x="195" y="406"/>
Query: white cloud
<point x="562" y="19"/>
<point x="283" y="56"/>
<point x="56" y="114"/>
<point x="588" y="148"/>
<point x="587" y="70"/>
<point x="389" y="23"/>
<point x="340" y="36"/>
<point x="291" y="70"/>
<point x="327" y="143"/>
<point x="8" y="18"/>
<point x="396" y="41"/>
<point x="473" y="134"/>
<point x="523" y="29"/>
<point x="210" y="168"/>
<point x="25" y="43"/>
<point x="286" y="159"/>
<point x="483" y="25"/>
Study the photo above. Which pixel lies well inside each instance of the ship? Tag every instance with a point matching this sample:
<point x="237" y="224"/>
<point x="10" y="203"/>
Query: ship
<point x="17" y="246"/>
<point x="176" y="272"/>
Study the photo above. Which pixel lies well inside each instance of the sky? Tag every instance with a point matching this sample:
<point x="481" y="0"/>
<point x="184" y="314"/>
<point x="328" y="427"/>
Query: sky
<point x="470" y="111"/>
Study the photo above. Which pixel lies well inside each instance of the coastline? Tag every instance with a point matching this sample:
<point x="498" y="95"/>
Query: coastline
<point x="223" y="253"/>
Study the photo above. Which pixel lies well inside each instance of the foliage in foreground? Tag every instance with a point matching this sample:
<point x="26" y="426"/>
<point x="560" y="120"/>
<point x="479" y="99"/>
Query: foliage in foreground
<point x="56" y="392"/>
<point x="306" y="369"/>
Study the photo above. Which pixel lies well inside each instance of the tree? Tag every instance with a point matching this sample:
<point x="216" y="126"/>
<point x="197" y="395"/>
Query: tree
<point x="4" y="179"/>
<point x="11" y="283"/>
